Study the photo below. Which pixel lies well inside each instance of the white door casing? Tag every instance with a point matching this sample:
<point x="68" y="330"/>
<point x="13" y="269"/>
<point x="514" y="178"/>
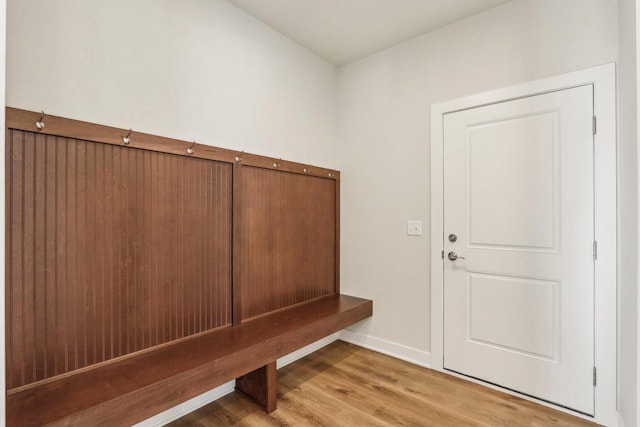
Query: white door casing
<point x="518" y="194"/>
<point x="602" y="80"/>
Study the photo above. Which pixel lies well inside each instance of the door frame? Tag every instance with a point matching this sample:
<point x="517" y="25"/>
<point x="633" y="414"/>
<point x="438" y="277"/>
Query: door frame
<point x="603" y="79"/>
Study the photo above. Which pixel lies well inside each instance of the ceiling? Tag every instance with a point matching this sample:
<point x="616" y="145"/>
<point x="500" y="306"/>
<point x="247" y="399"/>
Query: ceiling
<point x="342" y="31"/>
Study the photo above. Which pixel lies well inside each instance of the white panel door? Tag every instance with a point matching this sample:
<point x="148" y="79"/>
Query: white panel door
<point x="518" y="196"/>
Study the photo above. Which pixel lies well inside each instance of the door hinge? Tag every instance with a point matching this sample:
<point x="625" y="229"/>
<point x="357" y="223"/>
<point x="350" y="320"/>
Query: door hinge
<point x="595" y="376"/>
<point x="442" y="255"/>
<point x="595" y="125"/>
<point x="595" y="249"/>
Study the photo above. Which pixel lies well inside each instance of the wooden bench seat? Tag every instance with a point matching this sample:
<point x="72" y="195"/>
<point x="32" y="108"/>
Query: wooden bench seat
<point x="132" y="389"/>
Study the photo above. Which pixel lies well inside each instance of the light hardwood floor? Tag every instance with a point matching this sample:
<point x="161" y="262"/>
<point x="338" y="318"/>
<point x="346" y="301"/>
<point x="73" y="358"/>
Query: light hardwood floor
<point x="345" y="385"/>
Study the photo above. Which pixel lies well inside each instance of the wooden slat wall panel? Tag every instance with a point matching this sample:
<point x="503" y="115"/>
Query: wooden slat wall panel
<point x="111" y="250"/>
<point x="61" y="126"/>
<point x="284" y="240"/>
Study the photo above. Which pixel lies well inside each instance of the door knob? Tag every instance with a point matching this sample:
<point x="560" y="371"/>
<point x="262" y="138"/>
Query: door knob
<point x="454" y="256"/>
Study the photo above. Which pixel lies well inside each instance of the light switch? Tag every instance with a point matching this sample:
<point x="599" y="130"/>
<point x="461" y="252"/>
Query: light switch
<point x="414" y="228"/>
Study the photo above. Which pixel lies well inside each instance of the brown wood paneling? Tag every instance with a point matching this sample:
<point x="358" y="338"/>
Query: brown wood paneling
<point x="337" y="242"/>
<point x="61" y="126"/>
<point x="111" y="250"/>
<point x="284" y="240"/>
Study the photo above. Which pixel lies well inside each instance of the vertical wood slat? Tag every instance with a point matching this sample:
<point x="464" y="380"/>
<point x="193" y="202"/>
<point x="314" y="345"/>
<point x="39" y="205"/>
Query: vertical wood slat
<point x="284" y="239"/>
<point x="102" y="242"/>
<point x="28" y="267"/>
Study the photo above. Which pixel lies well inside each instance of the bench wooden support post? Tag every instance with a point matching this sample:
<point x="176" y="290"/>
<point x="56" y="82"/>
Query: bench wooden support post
<point x="261" y="386"/>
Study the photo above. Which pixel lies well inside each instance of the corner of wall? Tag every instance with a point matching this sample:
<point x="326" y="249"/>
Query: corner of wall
<point x="628" y="323"/>
<point x="393" y="349"/>
<point x="3" y="44"/>
<point x="637" y="64"/>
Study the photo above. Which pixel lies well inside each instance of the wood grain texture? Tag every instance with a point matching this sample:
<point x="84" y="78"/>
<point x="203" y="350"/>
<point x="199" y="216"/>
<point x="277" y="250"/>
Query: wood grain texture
<point x="112" y="250"/>
<point x="261" y="386"/>
<point x="285" y="240"/>
<point x="345" y="385"/>
<point x="133" y="389"/>
<point x="60" y="126"/>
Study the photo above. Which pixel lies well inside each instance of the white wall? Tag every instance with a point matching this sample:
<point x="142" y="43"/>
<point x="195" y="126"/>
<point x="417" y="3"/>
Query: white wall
<point x="627" y="160"/>
<point x="196" y="70"/>
<point x="384" y="136"/>
<point x="637" y="27"/>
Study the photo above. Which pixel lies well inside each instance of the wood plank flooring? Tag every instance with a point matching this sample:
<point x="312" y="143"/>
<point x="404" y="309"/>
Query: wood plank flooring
<point x="346" y="385"/>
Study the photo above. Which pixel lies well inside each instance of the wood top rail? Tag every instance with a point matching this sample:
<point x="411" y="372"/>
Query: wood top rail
<point x="131" y="390"/>
<point x="60" y="126"/>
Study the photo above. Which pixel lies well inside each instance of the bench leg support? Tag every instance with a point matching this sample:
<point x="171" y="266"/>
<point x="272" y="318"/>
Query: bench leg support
<point x="261" y="386"/>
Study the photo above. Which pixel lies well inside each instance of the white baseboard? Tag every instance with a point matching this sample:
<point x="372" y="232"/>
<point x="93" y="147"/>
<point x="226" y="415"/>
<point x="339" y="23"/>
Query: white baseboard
<point x="191" y="405"/>
<point x="399" y="351"/>
<point x="620" y="420"/>
<point x="304" y="351"/>
<point x="198" y="402"/>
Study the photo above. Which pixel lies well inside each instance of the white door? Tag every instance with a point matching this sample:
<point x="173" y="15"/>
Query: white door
<point x="518" y="196"/>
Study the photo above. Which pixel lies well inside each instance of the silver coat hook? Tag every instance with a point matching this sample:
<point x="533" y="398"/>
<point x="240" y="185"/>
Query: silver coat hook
<point x="126" y="139"/>
<point x="40" y="123"/>
<point x="276" y="164"/>
<point x="330" y="174"/>
<point x="190" y="150"/>
<point x="239" y="157"/>
<point x="307" y="169"/>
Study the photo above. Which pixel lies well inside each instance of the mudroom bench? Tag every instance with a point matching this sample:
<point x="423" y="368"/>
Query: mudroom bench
<point x="124" y="392"/>
<point x="143" y="271"/>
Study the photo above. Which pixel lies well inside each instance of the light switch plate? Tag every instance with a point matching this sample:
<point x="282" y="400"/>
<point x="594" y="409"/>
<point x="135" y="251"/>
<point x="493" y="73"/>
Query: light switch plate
<point x="414" y="228"/>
